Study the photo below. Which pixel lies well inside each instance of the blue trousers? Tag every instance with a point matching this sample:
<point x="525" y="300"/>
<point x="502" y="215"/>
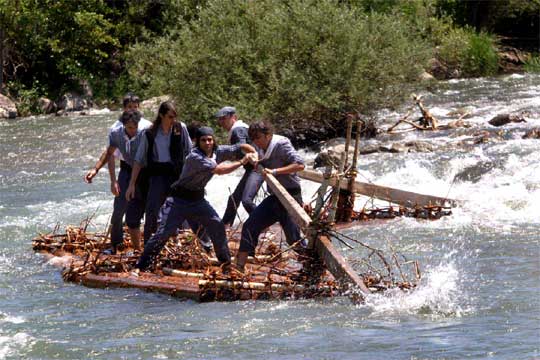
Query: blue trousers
<point x="158" y="190"/>
<point x="245" y="192"/>
<point x="266" y="214"/>
<point x="159" y="186"/>
<point x="173" y="213"/>
<point x="133" y="209"/>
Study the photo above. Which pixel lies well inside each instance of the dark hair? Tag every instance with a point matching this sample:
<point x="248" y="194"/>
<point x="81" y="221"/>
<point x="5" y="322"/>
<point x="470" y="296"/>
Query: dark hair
<point x="130" y="116"/>
<point x="164" y="108"/>
<point x="130" y="98"/>
<point x="260" y="127"/>
<point x="192" y="128"/>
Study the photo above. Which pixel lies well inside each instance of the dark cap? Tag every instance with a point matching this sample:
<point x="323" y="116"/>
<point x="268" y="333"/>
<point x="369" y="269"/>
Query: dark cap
<point x="225" y="111"/>
<point x="204" y="131"/>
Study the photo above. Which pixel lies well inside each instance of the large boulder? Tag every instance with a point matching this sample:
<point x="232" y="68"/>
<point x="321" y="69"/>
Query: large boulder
<point x="331" y="151"/>
<point x="511" y="60"/>
<point x="426" y="77"/>
<point x="72" y="102"/>
<point x="152" y="105"/>
<point x="8" y="109"/>
<point x="47" y="106"/>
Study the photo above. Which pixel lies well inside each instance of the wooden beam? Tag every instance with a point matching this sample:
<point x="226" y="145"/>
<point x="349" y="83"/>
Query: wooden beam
<point x="297" y="212"/>
<point x="337" y="265"/>
<point x="396" y="196"/>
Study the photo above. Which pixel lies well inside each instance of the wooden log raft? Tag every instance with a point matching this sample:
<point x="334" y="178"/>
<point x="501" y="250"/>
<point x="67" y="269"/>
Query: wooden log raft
<point x="267" y="276"/>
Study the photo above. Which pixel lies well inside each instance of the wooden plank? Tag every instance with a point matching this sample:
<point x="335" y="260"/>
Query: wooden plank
<point x="297" y="212"/>
<point x="396" y="196"/>
<point x="336" y="264"/>
<point x="179" y="287"/>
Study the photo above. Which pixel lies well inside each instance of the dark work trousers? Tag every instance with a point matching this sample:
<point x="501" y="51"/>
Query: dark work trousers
<point x="245" y="192"/>
<point x="158" y="190"/>
<point x="133" y="209"/>
<point x="266" y="214"/>
<point x="159" y="186"/>
<point x="173" y="213"/>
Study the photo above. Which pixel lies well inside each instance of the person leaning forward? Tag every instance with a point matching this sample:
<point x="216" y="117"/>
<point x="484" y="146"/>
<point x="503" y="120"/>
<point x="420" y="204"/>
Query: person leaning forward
<point x="251" y="181"/>
<point x="279" y="158"/>
<point x="187" y="201"/>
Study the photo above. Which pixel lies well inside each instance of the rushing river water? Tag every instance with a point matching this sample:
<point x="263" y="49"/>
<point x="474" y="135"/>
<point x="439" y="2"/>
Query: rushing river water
<point x="479" y="296"/>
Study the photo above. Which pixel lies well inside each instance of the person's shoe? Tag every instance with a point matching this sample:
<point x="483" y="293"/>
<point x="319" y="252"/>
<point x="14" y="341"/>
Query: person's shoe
<point x="207" y="249"/>
<point x="135" y="272"/>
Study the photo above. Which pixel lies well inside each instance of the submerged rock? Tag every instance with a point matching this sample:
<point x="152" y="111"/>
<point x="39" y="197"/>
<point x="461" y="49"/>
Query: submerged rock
<point x="475" y="172"/>
<point x="503" y="119"/>
<point x="332" y="150"/>
<point x="532" y="134"/>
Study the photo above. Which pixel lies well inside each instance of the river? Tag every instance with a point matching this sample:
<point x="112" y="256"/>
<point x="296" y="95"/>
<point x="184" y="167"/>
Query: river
<point x="479" y="296"/>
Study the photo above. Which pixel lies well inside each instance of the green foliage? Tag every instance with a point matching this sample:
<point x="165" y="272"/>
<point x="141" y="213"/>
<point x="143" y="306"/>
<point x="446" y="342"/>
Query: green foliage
<point x="301" y="60"/>
<point x="532" y="64"/>
<point x="516" y="20"/>
<point x="62" y="43"/>
<point x="468" y="53"/>
<point x="480" y="57"/>
<point x="27" y="98"/>
<point x="452" y="48"/>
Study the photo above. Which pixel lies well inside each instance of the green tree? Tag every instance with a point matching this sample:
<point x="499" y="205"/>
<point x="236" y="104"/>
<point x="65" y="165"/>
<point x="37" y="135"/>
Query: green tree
<point x="303" y="61"/>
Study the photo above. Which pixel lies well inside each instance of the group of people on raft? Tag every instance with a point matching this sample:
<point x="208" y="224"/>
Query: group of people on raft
<point x="164" y="169"/>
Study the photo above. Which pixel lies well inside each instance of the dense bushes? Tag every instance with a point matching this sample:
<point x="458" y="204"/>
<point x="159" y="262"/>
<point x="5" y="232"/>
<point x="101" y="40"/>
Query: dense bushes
<point x="533" y="63"/>
<point x="297" y="60"/>
<point x="467" y="53"/>
<point x="303" y="60"/>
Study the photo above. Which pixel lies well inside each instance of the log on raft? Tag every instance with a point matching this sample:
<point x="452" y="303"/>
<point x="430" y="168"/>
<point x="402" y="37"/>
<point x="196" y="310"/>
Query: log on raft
<point x="396" y="196"/>
<point x="336" y="264"/>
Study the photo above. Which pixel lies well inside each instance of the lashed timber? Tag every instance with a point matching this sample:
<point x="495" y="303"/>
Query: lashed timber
<point x="334" y="261"/>
<point x="336" y="264"/>
<point x="183" y="287"/>
<point x="396" y="196"/>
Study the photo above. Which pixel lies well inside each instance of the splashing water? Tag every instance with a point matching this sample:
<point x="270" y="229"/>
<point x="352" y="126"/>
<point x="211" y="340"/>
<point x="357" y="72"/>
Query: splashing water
<point x="438" y="295"/>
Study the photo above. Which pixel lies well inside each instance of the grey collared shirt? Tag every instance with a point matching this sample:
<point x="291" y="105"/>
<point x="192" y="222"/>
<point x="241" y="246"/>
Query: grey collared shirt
<point x="143" y="124"/>
<point x="284" y="154"/>
<point x="162" y="146"/>
<point x="127" y="147"/>
<point x="162" y="143"/>
<point x="198" y="168"/>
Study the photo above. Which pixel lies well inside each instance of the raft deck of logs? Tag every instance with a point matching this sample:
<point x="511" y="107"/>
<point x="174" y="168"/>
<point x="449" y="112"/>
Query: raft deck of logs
<point x="277" y="270"/>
